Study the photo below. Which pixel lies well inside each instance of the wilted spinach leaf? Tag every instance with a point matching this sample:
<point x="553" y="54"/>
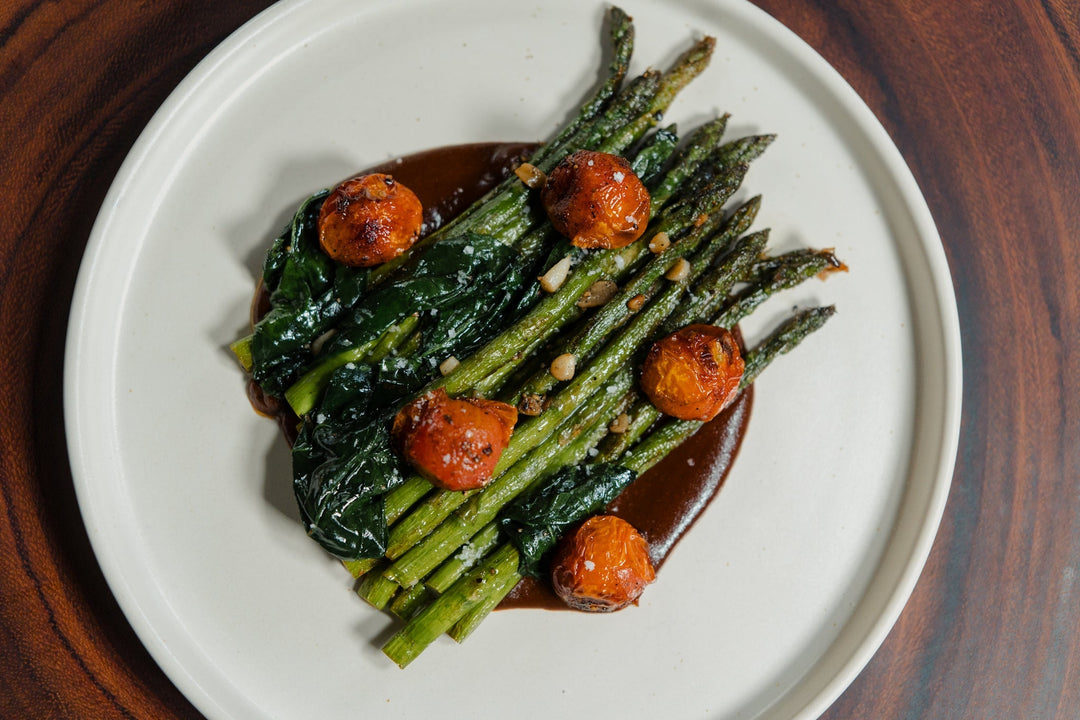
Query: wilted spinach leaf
<point x="535" y="521"/>
<point x="308" y="292"/>
<point x="341" y="473"/>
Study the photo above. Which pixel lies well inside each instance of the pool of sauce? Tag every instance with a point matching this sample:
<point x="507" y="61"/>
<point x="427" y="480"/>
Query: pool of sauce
<point x="664" y="503"/>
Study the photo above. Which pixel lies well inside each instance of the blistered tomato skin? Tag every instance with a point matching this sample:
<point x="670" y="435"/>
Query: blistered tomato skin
<point x="694" y="373"/>
<point x="602" y="566"/>
<point x="596" y="200"/>
<point x="368" y="220"/>
<point x="454" y="443"/>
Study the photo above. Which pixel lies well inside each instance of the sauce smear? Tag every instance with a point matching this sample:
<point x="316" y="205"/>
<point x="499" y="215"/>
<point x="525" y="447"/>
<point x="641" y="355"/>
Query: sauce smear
<point x="665" y="501"/>
<point x="449" y="179"/>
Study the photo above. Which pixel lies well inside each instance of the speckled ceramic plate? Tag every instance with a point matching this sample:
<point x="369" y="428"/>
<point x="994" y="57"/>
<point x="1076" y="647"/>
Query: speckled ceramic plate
<point x="781" y="592"/>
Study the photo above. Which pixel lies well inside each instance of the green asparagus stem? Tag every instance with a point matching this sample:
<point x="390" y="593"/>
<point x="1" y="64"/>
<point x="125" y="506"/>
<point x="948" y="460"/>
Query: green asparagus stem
<point x="496" y="572"/>
<point x="699" y="146"/>
<point x="784" y="339"/>
<point x="304" y="393"/>
<point x="547" y="316"/>
<point x="242" y="350"/>
<point x="471" y="618"/>
<point x="411" y="529"/>
<point x="642" y="416"/>
<point x="410" y="601"/>
<point x="743" y="150"/>
<point x="788" y="271"/>
<point x="621" y="34"/>
<point x="711" y="287"/>
<point x="376" y="589"/>
<point x="688" y="66"/>
<point x="472" y="552"/>
<point x="357" y="568"/>
<point x="495" y="201"/>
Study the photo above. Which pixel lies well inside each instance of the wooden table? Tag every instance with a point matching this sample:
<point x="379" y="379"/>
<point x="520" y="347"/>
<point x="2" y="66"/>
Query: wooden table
<point x="983" y="99"/>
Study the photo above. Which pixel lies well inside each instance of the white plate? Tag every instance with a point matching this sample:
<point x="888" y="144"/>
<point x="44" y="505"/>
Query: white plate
<point x="778" y="596"/>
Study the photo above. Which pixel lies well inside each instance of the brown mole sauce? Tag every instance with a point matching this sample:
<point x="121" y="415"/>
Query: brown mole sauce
<point x="665" y="501"/>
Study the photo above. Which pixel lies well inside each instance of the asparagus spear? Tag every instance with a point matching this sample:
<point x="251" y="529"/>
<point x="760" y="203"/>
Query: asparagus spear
<point x="496" y="574"/>
<point x="621" y="34"/>
<point x="479" y="545"/>
<point x="777" y="274"/>
<point x="621" y="40"/>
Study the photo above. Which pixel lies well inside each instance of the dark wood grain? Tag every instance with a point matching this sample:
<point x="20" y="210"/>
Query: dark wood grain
<point x="982" y="99"/>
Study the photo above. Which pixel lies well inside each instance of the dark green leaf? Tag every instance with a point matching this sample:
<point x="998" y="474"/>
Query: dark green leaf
<point x="341" y="473"/>
<point x="308" y="292"/>
<point x="654" y="155"/>
<point x="535" y="521"/>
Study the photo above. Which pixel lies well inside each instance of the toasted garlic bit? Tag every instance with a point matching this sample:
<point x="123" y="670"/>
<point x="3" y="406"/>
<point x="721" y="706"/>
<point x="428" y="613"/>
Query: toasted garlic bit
<point x="598" y="293"/>
<point x="659" y="243"/>
<point x="449" y="365"/>
<point x="679" y="271"/>
<point x="553" y="279"/>
<point x="317" y="343"/>
<point x="620" y="425"/>
<point x="531" y="404"/>
<point x="636" y="303"/>
<point x="532" y="176"/>
<point x="563" y="367"/>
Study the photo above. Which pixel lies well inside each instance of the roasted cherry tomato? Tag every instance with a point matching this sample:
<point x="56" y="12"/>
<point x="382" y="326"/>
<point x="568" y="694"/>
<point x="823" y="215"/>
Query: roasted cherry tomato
<point x="368" y="220"/>
<point x="693" y="373"/>
<point x="596" y="200"/>
<point x="602" y="566"/>
<point x="454" y="443"/>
